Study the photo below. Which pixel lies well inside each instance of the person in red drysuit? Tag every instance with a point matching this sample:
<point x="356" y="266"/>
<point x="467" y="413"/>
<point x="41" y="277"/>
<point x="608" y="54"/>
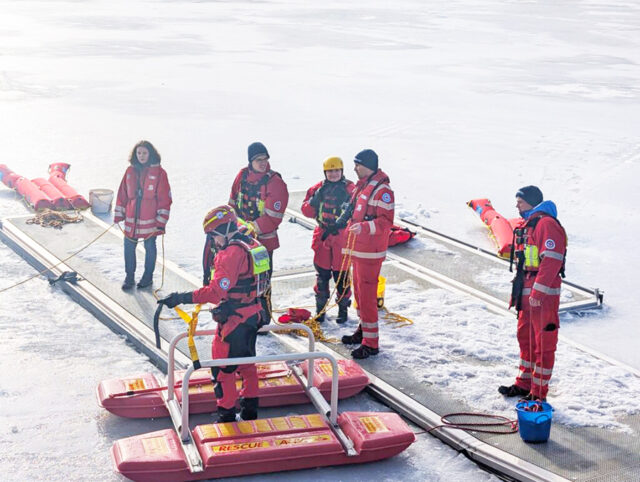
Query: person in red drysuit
<point x="239" y="277"/>
<point x="259" y="197"/>
<point x="372" y="211"/>
<point x="540" y="249"/>
<point x="143" y="203"/>
<point x="325" y="202"/>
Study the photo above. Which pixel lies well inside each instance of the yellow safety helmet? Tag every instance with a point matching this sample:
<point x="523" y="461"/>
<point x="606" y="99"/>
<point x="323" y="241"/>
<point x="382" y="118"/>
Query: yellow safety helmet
<point x="332" y="163"/>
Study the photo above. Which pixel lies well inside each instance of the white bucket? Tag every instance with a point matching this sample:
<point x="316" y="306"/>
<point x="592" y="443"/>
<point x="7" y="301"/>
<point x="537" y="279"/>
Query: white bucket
<point x="100" y="200"/>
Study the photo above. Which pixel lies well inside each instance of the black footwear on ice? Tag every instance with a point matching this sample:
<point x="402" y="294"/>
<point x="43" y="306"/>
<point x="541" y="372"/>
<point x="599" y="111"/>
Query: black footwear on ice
<point x="343" y="311"/>
<point x="512" y="391"/>
<point x="321" y="302"/>
<point x="144" y="282"/>
<point x="364" y="351"/>
<point x="128" y="283"/>
<point x="530" y="396"/>
<point x="354" y="339"/>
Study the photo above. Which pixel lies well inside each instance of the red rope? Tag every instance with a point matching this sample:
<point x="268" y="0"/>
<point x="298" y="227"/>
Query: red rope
<point x="498" y="421"/>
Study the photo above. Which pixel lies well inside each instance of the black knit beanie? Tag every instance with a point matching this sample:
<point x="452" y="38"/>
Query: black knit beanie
<point x="531" y="194"/>
<point x="257" y="149"/>
<point x="368" y="158"/>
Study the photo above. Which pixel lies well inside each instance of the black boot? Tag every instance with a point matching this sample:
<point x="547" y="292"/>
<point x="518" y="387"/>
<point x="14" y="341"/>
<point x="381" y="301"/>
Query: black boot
<point x="249" y="408"/>
<point x="145" y="281"/>
<point x="512" y="391"/>
<point x="321" y="301"/>
<point x="343" y="311"/>
<point x="364" y="351"/>
<point x="354" y="339"/>
<point x="226" y="414"/>
<point x="128" y="283"/>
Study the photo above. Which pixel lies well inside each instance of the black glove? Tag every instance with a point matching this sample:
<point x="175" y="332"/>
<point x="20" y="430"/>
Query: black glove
<point x="316" y="199"/>
<point x="175" y="299"/>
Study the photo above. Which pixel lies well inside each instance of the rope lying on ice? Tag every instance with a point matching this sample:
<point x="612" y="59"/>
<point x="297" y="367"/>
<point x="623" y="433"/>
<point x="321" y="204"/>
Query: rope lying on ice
<point x="508" y="426"/>
<point x="58" y="263"/>
<point x="48" y="218"/>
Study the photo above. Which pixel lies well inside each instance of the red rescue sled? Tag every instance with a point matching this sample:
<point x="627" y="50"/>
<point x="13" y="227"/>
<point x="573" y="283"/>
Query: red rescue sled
<point x="501" y="229"/>
<point x="262" y="446"/>
<point x="140" y="396"/>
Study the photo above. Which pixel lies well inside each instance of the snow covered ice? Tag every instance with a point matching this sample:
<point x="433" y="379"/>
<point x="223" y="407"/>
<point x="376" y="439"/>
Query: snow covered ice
<point x="460" y="99"/>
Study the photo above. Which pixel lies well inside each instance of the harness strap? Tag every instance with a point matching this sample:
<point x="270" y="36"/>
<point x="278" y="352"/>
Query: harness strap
<point x="192" y="323"/>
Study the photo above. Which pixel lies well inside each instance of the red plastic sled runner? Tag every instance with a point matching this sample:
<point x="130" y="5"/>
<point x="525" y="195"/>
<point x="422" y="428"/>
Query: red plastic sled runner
<point x="276" y="384"/>
<point x="262" y="446"/>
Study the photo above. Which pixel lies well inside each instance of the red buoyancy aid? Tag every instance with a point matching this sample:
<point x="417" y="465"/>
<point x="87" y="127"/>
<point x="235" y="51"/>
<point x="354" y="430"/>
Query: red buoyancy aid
<point x="373" y="206"/>
<point x="399" y="235"/>
<point x="334" y="196"/>
<point x="261" y="198"/>
<point x="144" y="201"/>
<point x="233" y="275"/>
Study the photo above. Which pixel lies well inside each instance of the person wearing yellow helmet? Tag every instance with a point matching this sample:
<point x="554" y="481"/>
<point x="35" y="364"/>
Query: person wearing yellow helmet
<point x="325" y="202"/>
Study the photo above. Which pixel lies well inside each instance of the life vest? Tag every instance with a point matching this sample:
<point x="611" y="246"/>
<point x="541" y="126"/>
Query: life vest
<point x="526" y="253"/>
<point x="334" y="195"/>
<point x="399" y="235"/>
<point x="256" y="281"/>
<point x="251" y="196"/>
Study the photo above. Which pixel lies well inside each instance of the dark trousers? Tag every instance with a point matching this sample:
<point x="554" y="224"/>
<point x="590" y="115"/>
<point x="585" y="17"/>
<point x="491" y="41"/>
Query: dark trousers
<point x="150" y="255"/>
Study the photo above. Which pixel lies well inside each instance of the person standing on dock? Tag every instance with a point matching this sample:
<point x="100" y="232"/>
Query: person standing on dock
<point x="539" y="248"/>
<point x="239" y="277"/>
<point x="370" y="217"/>
<point x="259" y="197"/>
<point x="325" y="203"/>
<point x="143" y="203"/>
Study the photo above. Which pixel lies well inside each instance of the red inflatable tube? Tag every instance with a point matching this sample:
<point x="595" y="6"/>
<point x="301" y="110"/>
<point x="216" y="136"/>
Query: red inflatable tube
<point x="58" y="198"/>
<point x="33" y="195"/>
<point x="75" y="199"/>
<point x="7" y="176"/>
<point x="59" y="169"/>
<point x="501" y="229"/>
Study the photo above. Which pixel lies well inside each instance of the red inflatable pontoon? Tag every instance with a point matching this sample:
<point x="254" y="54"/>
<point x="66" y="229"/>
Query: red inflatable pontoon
<point x="57" y="198"/>
<point x="58" y="177"/>
<point x="277" y="387"/>
<point x="500" y="228"/>
<point x="33" y="195"/>
<point x="8" y="177"/>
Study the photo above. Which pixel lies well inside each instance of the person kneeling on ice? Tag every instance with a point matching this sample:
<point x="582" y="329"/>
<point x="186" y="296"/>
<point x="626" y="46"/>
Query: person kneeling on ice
<point x="540" y="249"/>
<point x="371" y="213"/>
<point x="240" y="276"/>
<point x="325" y="202"/>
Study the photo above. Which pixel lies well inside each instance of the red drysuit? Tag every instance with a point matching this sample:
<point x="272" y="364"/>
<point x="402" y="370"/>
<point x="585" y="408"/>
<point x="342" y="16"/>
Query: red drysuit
<point x="373" y="203"/>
